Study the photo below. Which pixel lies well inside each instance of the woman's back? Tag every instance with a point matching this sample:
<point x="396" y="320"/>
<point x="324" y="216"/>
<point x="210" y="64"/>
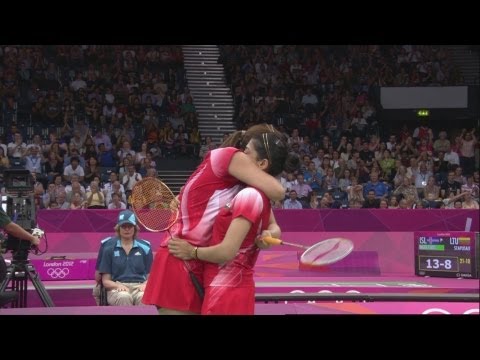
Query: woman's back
<point x="207" y="190"/>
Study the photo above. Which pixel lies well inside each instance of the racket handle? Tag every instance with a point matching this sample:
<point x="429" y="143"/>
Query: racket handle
<point x="196" y="284"/>
<point x="272" y="241"/>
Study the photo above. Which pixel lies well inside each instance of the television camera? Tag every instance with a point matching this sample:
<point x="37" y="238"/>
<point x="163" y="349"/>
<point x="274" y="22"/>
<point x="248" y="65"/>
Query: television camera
<point x="19" y="204"/>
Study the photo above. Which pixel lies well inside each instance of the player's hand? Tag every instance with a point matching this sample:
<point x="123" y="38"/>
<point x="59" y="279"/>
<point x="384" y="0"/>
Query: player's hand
<point x="260" y="243"/>
<point x="180" y="248"/>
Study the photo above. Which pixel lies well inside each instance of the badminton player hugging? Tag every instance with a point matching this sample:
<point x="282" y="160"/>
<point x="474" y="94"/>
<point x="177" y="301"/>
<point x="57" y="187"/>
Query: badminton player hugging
<point x="176" y="285"/>
<point x="237" y="232"/>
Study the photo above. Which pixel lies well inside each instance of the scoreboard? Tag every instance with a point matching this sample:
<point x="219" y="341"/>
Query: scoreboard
<point x="446" y="254"/>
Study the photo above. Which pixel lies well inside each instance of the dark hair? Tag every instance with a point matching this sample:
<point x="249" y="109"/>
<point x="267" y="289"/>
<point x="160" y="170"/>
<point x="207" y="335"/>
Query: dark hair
<point x="273" y="147"/>
<point x="240" y="138"/>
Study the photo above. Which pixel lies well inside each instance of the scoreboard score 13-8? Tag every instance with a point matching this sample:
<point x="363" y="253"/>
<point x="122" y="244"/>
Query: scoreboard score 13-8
<point x="446" y="254"/>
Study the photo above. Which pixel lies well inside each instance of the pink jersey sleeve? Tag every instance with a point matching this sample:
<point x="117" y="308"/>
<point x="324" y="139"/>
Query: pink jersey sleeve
<point x="248" y="203"/>
<point x="220" y="160"/>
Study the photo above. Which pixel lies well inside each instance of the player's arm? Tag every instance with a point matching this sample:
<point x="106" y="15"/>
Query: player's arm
<point x="220" y="253"/>
<point x="273" y="230"/>
<point x="245" y="170"/>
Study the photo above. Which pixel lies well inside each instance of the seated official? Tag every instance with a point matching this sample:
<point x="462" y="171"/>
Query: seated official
<point x="125" y="262"/>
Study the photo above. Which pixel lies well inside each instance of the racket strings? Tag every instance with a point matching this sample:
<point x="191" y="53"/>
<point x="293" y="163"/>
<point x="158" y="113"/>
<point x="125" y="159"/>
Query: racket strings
<point x="327" y="252"/>
<point x="154" y="204"/>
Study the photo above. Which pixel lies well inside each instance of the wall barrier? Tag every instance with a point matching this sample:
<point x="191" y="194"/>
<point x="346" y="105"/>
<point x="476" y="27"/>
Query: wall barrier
<point x="383" y="239"/>
<point x="291" y="220"/>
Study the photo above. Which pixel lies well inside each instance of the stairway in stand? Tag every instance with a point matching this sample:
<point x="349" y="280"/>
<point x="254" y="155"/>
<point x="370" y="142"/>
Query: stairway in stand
<point x="468" y="61"/>
<point x="211" y="95"/>
<point x="174" y="179"/>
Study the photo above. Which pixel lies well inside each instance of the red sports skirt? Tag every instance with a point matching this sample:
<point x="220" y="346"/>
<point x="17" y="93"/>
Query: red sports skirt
<point x="236" y="298"/>
<point x="169" y="284"/>
<point x="221" y="300"/>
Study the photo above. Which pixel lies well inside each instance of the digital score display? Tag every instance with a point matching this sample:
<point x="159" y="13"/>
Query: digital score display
<point x="446" y="254"/>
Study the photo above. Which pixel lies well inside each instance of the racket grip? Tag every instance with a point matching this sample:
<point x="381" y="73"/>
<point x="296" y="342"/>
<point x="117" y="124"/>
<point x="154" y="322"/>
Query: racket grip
<point x="196" y="284"/>
<point x="272" y="241"/>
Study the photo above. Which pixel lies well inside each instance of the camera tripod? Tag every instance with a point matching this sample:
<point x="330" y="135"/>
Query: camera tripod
<point x="18" y="273"/>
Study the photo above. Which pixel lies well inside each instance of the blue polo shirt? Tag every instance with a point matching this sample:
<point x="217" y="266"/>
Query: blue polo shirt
<point x="134" y="267"/>
<point x="110" y="241"/>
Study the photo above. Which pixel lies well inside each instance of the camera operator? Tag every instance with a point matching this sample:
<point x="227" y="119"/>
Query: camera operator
<point x="17" y="231"/>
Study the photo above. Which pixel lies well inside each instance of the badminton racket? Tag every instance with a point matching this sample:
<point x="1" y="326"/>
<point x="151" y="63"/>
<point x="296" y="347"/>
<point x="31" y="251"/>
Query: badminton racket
<point x="156" y="208"/>
<point x="154" y="204"/>
<point x="320" y="254"/>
